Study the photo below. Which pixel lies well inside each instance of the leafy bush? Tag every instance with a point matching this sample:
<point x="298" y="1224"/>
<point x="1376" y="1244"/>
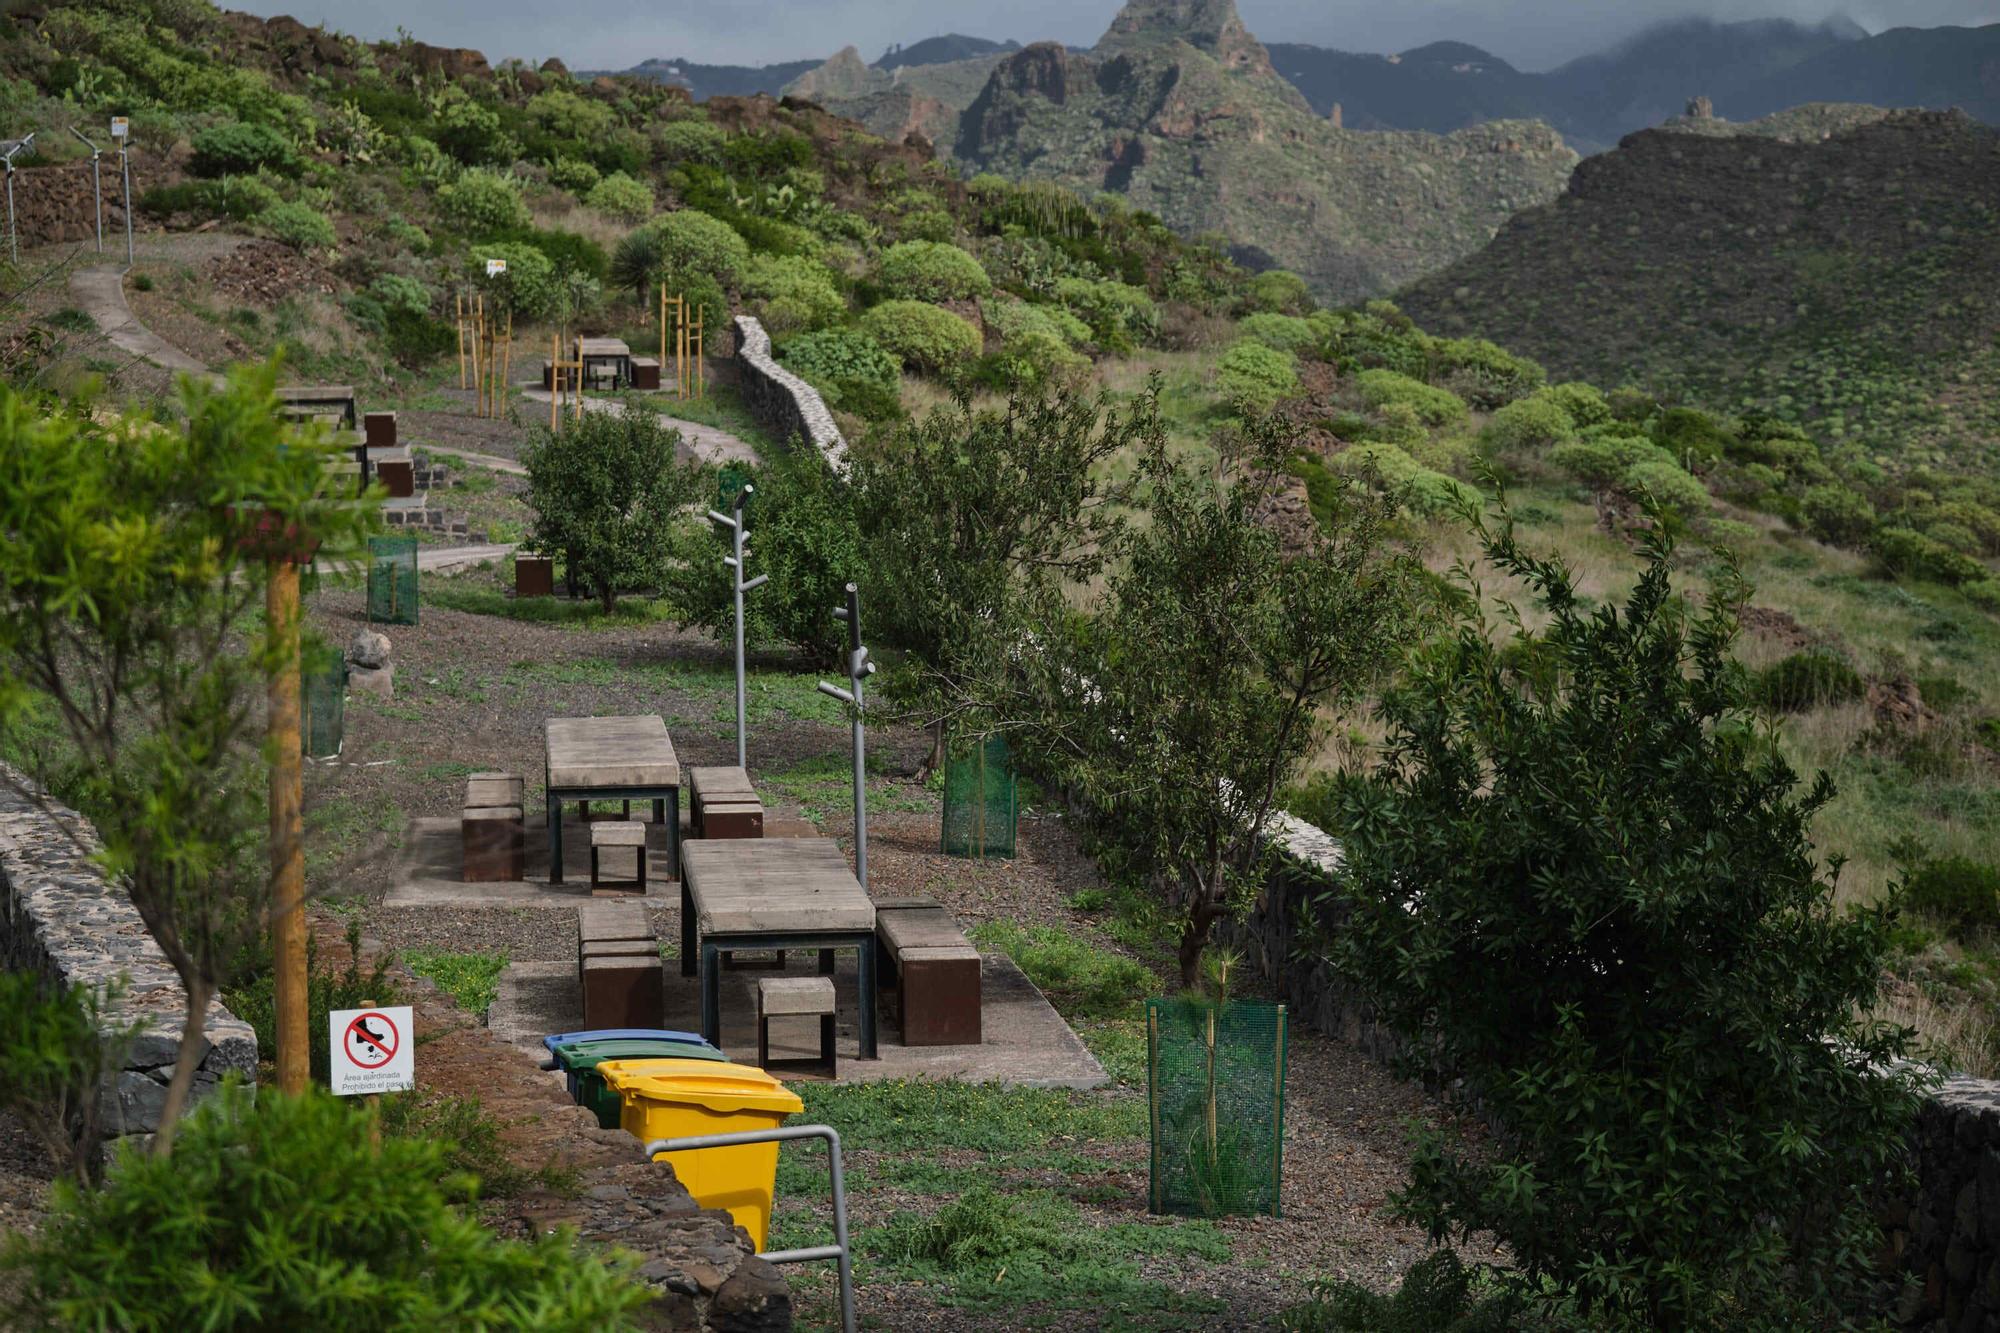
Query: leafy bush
<point x="1287" y="333"/>
<point x="300" y="226"/>
<point x="472" y="980"/>
<point x="1254" y="375"/>
<point x="1080" y="978"/>
<point x="931" y="271"/>
<point x="1437" y="407"/>
<point x="1807" y="680"/>
<point x="56" y="1050"/>
<point x="1529" y="423"/>
<point x="1956" y="890"/>
<point x="529" y="286"/>
<point x="1119" y="314"/>
<point x="690" y="141"/>
<point x="482" y="201"/>
<point x="237" y="149"/>
<point x="1036" y="357"/>
<point x="1675" y="1014"/>
<point x="921" y="335"/>
<point x="1013" y="319"/>
<point x="1581" y="403"/>
<point x="1438" y="1295"/>
<point x="1487" y="376"/>
<point x="1278" y="292"/>
<point x="850" y="369"/>
<point x="767" y="153"/>
<point x="397" y="292"/>
<point x="280" y="1212"/>
<point x="1838" y="515"/>
<point x="574" y="174"/>
<point x="792" y="292"/>
<point x="1668" y="486"/>
<point x="692" y="241"/>
<point x="1420" y="489"/>
<point x="1983" y="593"/>
<point x="1913" y="555"/>
<point x="619" y="196"/>
<point x="254" y="999"/>
<point x="566" y="115"/>
<point x="1687" y="433"/>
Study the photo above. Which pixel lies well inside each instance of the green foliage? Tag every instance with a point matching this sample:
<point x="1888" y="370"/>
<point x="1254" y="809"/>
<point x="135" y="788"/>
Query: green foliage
<point x="1278" y="292"/>
<point x="57" y="1046"/>
<point x="1254" y="376"/>
<point x="931" y="271"/>
<point x="298" y="225"/>
<point x="1013" y="319"/>
<point x="472" y="980"/>
<point x="236" y="149"/>
<point x="1119" y="315"/>
<point x="1080" y="978"/>
<point x="1667" y="486"/>
<point x="690" y="141"/>
<point x="480" y="202"/>
<point x="1528" y="424"/>
<point x="693" y="242"/>
<point x="922" y="336"/>
<point x="1438" y="408"/>
<point x="1689" y="434"/>
<point x="566" y="115"/>
<point x="1807" y="680"/>
<point x="850" y="369"/>
<point x="767" y="153"/>
<point x="792" y="293"/>
<point x="576" y="176"/>
<point x="233" y="1232"/>
<point x="1962" y="893"/>
<point x="529" y="287"/>
<point x="1483" y="374"/>
<point x="1838" y="515"/>
<point x="608" y="493"/>
<point x="471" y="1141"/>
<point x="398" y="293"/>
<point x="1287" y="333"/>
<point x="1438" y="1295"/>
<point x="1581" y="403"/>
<point x="1913" y="555"/>
<point x="637" y="264"/>
<point x="621" y="197"/>
<point x="1588" y="892"/>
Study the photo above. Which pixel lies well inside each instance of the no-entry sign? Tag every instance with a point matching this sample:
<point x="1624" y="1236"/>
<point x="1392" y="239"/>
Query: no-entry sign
<point x="372" y="1050"/>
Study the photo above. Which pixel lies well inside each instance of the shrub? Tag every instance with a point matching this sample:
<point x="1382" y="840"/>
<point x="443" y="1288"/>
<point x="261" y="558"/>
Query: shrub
<point x="1287" y="333"/>
<point x="1278" y="292"/>
<point x="1666" y="485"/>
<point x="1438" y="1295"/>
<point x="1254" y="376"/>
<point x="1689" y="434"/>
<point x="792" y="293"/>
<point x="1118" y="314"/>
<point x="1488" y="376"/>
<point x="482" y="201"/>
<point x="1397" y="424"/>
<point x="300" y="226"/>
<point x="690" y="141"/>
<point x="921" y="335"/>
<point x="281" y="1212"/>
<point x="850" y="369"/>
<point x="1983" y="593"/>
<point x="1913" y="555"/>
<point x="566" y="115"/>
<point x="56" y="1050"/>
<point x="1531" y="423"/>
<point x="254" y="999"/>
<point x="1013" y="319"/>
<point x="619" y="196"/>
<point x="931" y="271"/>
<point x="1954" y="535"/>
<point x="397" y="292"/>
<point x="574" y="174"/>
<point x="1581" y="403"/>
<point x="691" y="241"/>
<point x="1982" y="522"/>
<point x="1807" y="680"/>
<point x="237" y="149"/>
<point x="1437" y="407"/>
<point x="1593" y="899"/>
<point x="1838" y="515"/>
<point x="1956" y="890"/>
<point x="529" y="286"/>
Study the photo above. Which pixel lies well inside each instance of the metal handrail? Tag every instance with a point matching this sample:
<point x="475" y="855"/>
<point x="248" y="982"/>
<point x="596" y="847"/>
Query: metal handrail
<point x="839" y="1251"/>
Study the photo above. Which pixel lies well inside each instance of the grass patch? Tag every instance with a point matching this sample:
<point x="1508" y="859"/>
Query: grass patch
<point x="826" y="783"/>
<point x="472" y="1142"/>
<point x="337" y="828"/>
<point x="767" y="694"/>
<point x="472" y="980"/>
<point x="923" y="1115"/>
<point x="583" y="613"/>
<point x="1078" y="977"/>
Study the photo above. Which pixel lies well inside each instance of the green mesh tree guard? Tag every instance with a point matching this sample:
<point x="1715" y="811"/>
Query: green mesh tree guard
<point x="322" y="701"/>
<point x="1215" y="1078"/>
<point x="730" y="479"/>
<point x="981" y="805"/>
<point x="392" y="580"/>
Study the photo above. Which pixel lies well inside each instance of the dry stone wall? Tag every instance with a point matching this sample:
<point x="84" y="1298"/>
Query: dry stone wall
<point x="52" y="204"/>
<point x="783" y="403"/>
<point x="59" y="915"/>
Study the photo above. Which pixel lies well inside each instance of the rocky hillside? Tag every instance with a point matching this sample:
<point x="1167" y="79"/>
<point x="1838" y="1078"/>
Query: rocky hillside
<point x="1178" y="107"/>
<point x="899" y="100"/>
<point x="1838" y="277"/>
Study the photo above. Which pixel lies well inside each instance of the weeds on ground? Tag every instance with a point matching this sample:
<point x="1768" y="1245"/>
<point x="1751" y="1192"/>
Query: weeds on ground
<point x="472" y="980"/>
<point x="254" y="999"/>
<point x="1439" y="1295"/>
<point x="1077" y="976"/>
<point x="471" y="1138"/>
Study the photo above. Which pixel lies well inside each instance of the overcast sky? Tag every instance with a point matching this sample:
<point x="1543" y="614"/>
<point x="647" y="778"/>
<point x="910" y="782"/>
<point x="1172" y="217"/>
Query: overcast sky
<point x="616" y="34"/>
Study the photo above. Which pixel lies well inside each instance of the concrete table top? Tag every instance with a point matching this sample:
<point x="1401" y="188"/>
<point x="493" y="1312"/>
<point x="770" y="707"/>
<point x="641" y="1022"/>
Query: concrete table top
<point x="610" y="752"/>
<point x="774" y="886"/>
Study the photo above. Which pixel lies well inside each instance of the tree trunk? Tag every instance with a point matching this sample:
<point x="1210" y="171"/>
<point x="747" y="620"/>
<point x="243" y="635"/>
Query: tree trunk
<point x="1194" y="939"/>
<point x="937" y="755"/>
<point x="193" y="1038"/>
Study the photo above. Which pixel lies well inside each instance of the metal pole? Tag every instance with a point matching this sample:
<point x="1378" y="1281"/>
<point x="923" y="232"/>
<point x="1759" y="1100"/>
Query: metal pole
<point x="859" y="668"/>
<point x="96" y="184"/>
<point x="281" y="611"/>
<point x="125" y="171"/>
<point x="739" y="530"/>
<point x="13" y="240"/>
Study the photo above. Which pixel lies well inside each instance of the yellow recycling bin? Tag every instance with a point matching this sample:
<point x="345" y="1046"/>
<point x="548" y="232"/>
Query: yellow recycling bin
<point x="669" y="1099"/>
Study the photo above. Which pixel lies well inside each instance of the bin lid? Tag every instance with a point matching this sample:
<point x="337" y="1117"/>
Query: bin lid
<point x="555" y="1039"/>
<point x="706" y="1083"/>
<point x="589" y="1054"/>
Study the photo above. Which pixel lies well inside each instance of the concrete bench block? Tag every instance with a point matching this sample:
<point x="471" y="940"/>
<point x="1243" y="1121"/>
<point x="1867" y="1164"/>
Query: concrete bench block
<point x="589" y="949"/>
<point x="612" y="921"/>
<point x="380" y="429"/>
<point x="645" y="372"/>
<point x="618" y="833"/>
<point x="623" y="992"/>
<point x="493" y="789"/>
<point x="797" y="997"/>
<point x="734" y="819"/>
<point x="399" y="476"/>
<point x="534" y="576"/>
<point x="940" y="996"/>
<point x="494" y="844"/>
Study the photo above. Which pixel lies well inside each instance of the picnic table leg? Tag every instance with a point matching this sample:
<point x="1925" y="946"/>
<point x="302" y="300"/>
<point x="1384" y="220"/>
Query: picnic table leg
<point x="687" y="931"/>
<point x="555" y="838"/>
<point x="711" y="996"/>
<point x="866" y="967"/>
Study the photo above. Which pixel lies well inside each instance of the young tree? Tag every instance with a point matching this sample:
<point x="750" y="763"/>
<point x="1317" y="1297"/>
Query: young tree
<point x="964" y="510"/>
<point x="131" y="583"/>
<point x="1184" y="706"/>
<point x="609" y="492"/>
<point x="1582" y="883"/>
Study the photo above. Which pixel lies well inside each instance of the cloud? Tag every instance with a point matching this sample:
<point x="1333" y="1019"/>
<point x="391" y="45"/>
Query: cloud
<point x="616" y="34"/>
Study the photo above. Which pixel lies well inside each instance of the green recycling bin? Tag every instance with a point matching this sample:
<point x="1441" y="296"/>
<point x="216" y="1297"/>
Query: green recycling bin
<point x="580" y="1062"/>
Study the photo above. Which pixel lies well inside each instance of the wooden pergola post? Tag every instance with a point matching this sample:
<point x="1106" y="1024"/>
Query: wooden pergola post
<point x="288" y="866"/>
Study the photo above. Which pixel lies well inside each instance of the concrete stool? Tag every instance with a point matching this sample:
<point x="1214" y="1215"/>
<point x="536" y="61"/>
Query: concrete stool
<point x="787" y="997"/>
<point x="611" y="921"/>
<point x="618" y="833"/>
<point x="493" y="789"/>
<point x="494" y="844"/>
<point x="589" y="949"/>
<point x="623" y="992"/>
<point x="940" y="995"/>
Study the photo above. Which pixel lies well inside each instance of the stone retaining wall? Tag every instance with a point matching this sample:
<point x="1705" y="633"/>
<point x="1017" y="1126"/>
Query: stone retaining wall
<point x="60" y="916"/>
<point x="783" y="403"/>
<point x="53" y="204"/>
<point x="1948" y="1239"/>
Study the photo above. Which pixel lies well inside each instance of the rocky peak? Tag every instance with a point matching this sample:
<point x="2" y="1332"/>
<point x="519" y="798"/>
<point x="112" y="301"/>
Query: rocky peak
<point x="846" y="75"/>
<point x="1212" y="26"/>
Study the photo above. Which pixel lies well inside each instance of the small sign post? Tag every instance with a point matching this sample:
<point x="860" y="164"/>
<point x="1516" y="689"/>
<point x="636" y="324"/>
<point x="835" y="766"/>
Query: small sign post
<point x="495" y="267"/>
<point x="121" y="130"/>
<point x="120" y="126"/>
<point x="373" y="1050"/>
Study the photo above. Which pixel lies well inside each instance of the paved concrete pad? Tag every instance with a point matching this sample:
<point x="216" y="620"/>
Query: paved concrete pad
<point x="428" y="871"/>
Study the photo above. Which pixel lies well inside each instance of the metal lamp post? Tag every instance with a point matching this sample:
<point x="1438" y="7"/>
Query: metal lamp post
<point x="859" y="668"/>
<point x="8" y="151"/>
<point x="737" y="526"/>
<point x="96" y="184"/>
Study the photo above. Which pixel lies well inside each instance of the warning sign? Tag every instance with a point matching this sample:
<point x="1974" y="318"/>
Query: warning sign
<point x="495" y="267"/>
<point x="372" y="1051"/>
<point x="120" y="127"/>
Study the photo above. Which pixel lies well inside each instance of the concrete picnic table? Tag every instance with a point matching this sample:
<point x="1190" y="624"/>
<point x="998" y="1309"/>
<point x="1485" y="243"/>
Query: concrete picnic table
<point x="774" y="893"/>
<point x="612" y="759"/>
<point x="590" y="351"/>
<point x="303" y="400"/>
